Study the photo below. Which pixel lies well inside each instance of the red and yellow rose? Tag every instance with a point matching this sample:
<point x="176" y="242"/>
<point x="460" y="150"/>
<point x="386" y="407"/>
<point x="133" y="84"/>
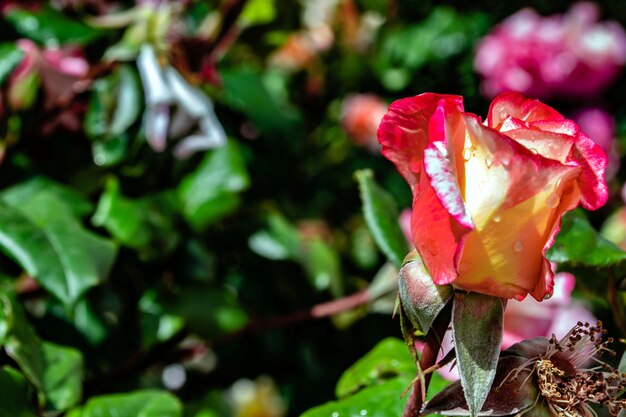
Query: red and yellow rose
<point x="488" y="197"/>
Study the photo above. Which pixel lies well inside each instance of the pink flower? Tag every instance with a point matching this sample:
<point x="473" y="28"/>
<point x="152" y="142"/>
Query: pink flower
<point x="563" y="55"/>
<point x="488" y="197"/>
<point x="360" y="116"/>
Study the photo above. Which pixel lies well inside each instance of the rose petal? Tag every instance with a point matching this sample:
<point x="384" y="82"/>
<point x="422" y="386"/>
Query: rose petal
<point x="520" y="107"/>
<point x="593" y="161"/>
<point x="403" y="132"/>
<point x="515" y="200"/>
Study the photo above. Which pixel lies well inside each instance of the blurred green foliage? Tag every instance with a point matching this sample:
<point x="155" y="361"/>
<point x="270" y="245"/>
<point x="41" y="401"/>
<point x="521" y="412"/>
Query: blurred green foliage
<point x="119" y="261"/>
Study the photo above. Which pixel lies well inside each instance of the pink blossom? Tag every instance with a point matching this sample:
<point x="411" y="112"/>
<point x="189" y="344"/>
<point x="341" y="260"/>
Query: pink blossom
<point x="561" y="55"/>
<point x="360" y="116"/>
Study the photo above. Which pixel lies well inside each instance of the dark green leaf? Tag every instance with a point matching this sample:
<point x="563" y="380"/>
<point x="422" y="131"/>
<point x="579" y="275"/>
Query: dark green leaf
<point x="477" y="325"/>
<point x="15" y="394"/>
<point x="211" y="191"/>
<point x="145" y="223"/>
<point x="389" y="358"/>
<point x="381" y="400"/>
<point x="50" y="27"/>
<point x="246" y="91"/>
<point x="578" y="243"/>
<point x="10" y="57"/>
<point x="147" y="403"/>
<point x="421" y="299"/>
<point x="381" y="214"/>
<point x="56" y="371"/>
<point x="42" y="235"/>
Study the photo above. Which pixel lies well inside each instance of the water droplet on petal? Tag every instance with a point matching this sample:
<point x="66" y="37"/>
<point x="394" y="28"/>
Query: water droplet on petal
<point x="467" y="154"/>
<point x="552" y="201"/>
<point x="518" y="246"/>
<point x="547" y="296"/>
<point x="533" y="151"/>
<point x="503" y="114"/>
<point x="497" y="218"/>
<point x="488" y="161"/>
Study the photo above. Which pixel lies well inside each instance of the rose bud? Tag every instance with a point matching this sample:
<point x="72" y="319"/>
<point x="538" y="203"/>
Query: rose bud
<point x="488" y="198"/>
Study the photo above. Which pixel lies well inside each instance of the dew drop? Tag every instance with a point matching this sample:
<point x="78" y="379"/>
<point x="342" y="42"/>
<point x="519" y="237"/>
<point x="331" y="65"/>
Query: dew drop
<point x="533" y="151"/>
<point x="552" y="201"/>
<point x="467" y="154"/>
<point x="488" y="161"/>
<point x="363" y="412"/>
<point x="547" y="296"/>
<point x="497" y="218"/>
<point x="518" y="246"/>
<point x="503" y="114"/>
<point x="335" y="414"/>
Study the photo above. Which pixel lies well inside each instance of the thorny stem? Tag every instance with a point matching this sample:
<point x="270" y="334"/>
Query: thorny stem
<point x="616" y="308"/>
<point x="427" y="360"/>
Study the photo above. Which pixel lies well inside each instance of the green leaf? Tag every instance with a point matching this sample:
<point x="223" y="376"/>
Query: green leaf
<point x="477" y="325"/>
<point x="146" y="403"/>
<point x="421" y="299"/>
<point x="245" y="91"/>
<point x="10" y="57"/>
<point x="389" y="358"/>
<point x="381" y="215"/>
<point x="42" y="235"/>
<point x="322" y="265"/>
<point x="115" y="104"/>
<point x="578" y="243"/>
<point x="15" y="394"/>
<point x="280" y="242"/>
<point x="74" y="202"/>
<point x="56" y="371"/>
<point x="258" y="12"/>
<point x="145" y="224"/>
<point x="62" y="376"/>
<point x="381" y="400"/>
<point x="211" y="191"/>
<point x="50" y="27"/>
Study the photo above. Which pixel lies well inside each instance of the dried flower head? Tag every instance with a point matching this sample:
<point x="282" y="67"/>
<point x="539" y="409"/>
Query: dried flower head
<point x="565" y="385"/>
<point x="561" y="378"/>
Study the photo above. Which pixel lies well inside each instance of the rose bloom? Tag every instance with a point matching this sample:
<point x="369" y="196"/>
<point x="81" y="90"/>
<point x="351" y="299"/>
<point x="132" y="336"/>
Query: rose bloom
<point x="360" y="116"/>
<point x="488" y="198"/>
<point x="600" y="126"/>
<point x="570" y="55"/>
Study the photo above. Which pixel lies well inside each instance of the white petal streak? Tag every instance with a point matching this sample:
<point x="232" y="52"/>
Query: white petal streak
<point x="442" y="178"/>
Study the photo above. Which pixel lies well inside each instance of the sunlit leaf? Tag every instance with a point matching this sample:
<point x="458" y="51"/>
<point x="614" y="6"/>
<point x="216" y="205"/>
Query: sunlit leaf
<point x="381" y="214"/>
<point x="388" y="359"/>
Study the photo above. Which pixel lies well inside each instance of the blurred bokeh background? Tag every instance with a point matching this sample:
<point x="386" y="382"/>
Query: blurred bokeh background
<point x="179" y="209"/>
